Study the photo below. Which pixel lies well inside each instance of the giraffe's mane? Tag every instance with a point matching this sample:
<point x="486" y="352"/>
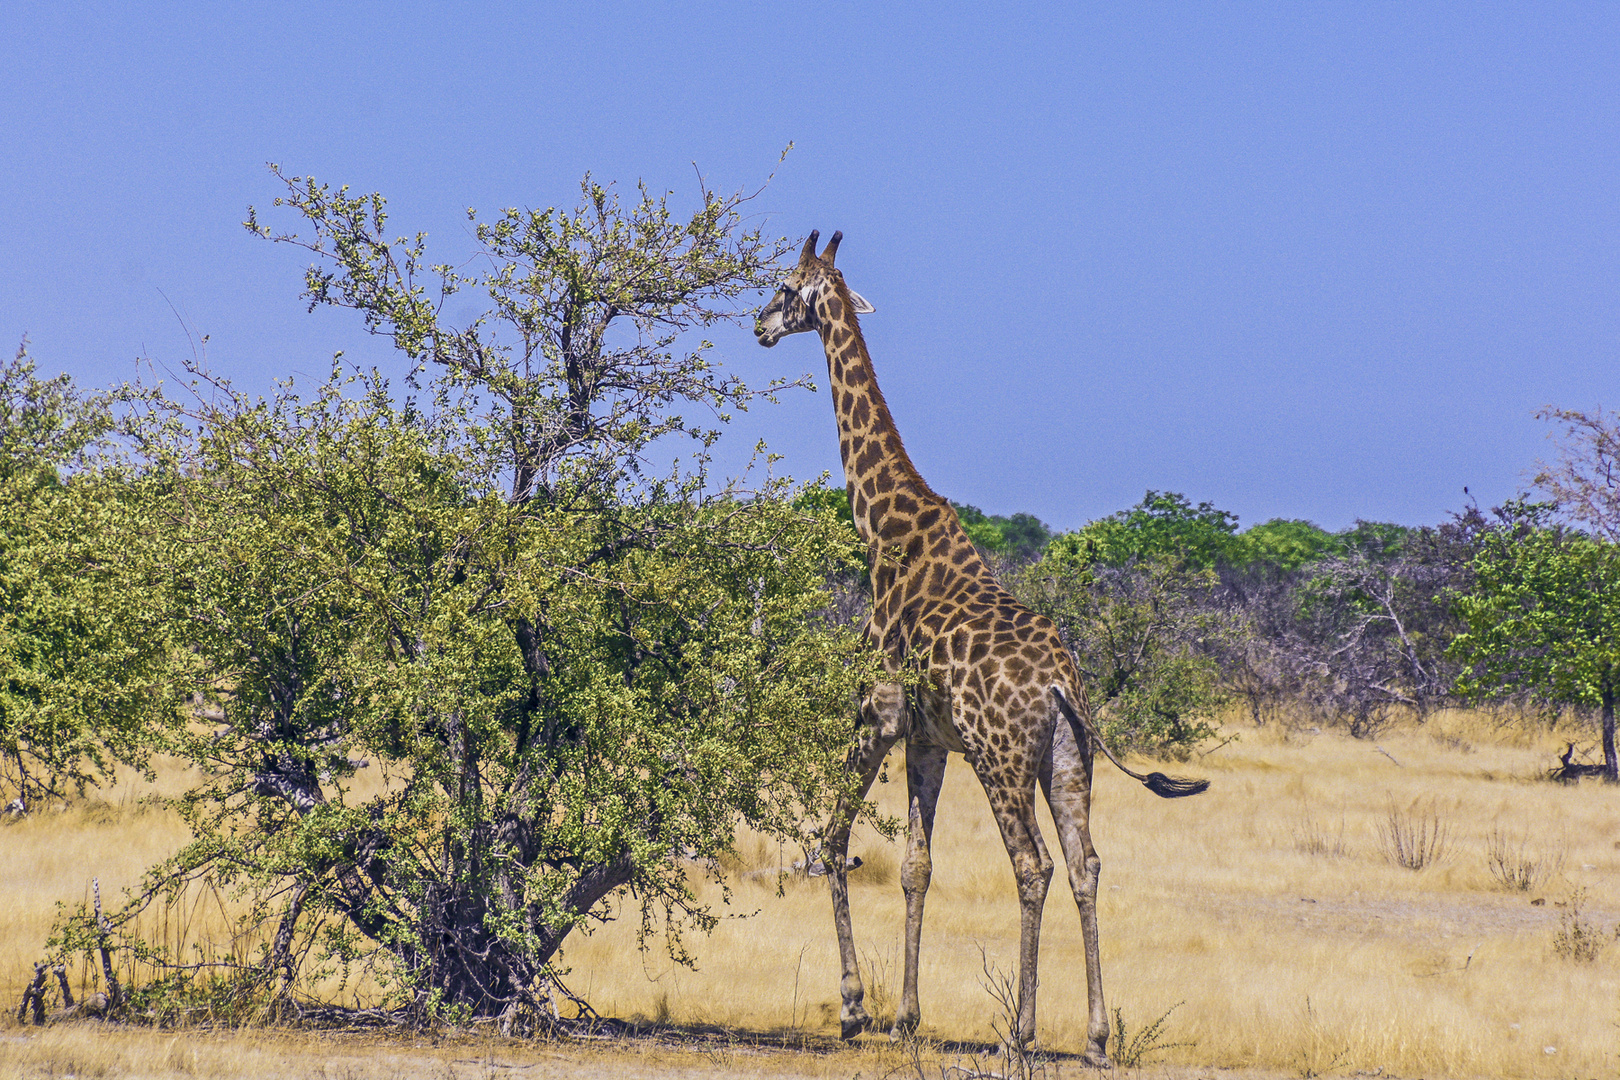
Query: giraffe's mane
<point x="879" y="402"/>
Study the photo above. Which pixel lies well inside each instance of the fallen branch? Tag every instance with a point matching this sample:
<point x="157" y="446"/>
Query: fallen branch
<point x="35" y="996"/>
<point x="1570" y="771"/>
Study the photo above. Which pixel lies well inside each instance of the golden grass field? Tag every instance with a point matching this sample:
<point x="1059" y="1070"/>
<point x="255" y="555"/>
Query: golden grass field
<point x="1268" y="908"/>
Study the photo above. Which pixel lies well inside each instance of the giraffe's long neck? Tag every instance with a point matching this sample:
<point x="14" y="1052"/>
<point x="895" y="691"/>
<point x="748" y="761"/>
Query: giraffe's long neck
<point x="890" y="499"/>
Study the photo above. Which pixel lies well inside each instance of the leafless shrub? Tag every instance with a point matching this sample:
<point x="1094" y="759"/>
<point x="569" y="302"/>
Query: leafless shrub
<point x="1414" y="839"/>
<point x="1016" y="1058"/>
<point x="1131" y="1050"/>
<point x="1357" y="638"/>
<point x="1579" y="940"/>
<point x="1514" y="868"/>
<point x="1019" y="1058"/>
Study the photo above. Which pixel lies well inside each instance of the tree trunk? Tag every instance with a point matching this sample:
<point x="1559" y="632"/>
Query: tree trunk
<point x="470" y="966"/>
<point x="1611" y="767"/>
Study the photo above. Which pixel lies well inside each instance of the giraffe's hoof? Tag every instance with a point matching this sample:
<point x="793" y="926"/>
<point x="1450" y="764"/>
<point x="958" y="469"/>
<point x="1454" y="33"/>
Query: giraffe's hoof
<point x="904" y="1028"/>
<point x="1096" y="1059"/>
<point x="853" y="1022"/>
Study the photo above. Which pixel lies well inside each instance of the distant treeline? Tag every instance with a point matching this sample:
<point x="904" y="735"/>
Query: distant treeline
<point x="1175" y="614"/>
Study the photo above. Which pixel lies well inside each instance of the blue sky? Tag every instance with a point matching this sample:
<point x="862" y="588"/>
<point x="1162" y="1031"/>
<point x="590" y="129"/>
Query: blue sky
<point x="1300" y="260"/>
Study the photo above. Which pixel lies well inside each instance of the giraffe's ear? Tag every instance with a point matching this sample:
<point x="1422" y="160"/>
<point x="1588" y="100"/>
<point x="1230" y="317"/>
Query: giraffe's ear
<point x="862" y="305"/>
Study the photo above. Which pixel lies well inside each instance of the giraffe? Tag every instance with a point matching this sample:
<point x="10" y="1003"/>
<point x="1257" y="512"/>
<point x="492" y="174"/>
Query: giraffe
<point x="996" y="677"/>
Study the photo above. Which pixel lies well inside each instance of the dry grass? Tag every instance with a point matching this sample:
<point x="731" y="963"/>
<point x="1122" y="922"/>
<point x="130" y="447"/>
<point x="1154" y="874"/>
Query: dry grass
<point x="1267" y="906"/>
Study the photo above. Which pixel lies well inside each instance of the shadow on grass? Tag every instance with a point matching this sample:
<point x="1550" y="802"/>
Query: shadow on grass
<point x="703" y="1037"/>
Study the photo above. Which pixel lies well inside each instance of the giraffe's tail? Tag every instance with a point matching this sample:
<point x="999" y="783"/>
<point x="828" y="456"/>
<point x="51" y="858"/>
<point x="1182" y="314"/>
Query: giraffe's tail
<point x="1166" y="787"/>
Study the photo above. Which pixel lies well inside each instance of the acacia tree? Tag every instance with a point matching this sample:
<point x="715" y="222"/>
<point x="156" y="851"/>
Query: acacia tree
<point x="80" y="650"/>
<point x="1141" y="634"/>
<point x="1544" y="614"/>
<point x="574" y="677"/>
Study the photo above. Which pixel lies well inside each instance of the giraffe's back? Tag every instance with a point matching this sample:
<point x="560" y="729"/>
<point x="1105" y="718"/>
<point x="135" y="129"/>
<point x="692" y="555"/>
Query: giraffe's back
<point x="938" y="605"/>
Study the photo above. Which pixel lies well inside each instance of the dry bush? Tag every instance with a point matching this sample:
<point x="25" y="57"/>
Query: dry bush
<point x="1414" y="838"/>
<point x="1579" y="939"/>
<point x="1131" y="1051"/>
<point x="1513" y="868"/>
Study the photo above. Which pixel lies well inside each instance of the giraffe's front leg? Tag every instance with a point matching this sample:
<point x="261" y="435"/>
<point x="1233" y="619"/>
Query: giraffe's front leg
<point x="882" y="716"/>
<point x="925" y="775"/>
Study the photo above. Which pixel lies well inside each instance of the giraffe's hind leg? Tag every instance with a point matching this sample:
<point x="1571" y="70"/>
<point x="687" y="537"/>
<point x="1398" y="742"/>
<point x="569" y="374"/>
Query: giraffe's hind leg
<point x="925" y="775"/>
<point x="882" y="722"/>
<point x="1012" y="802"/>
<point x="1066" y="779"/>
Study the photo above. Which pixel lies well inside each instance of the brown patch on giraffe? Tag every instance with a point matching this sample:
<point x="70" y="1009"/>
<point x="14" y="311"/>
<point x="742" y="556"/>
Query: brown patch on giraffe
<point x="868" y="456"/>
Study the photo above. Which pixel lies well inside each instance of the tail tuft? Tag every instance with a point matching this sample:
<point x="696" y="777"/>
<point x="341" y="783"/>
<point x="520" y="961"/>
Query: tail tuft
<point x="1174" y="787"/>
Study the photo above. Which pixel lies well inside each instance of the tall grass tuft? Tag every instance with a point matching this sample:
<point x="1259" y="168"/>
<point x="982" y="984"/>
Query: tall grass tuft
<point x="1311" y="837"/>
<point x="882" y="999"/>
<point x="1414" y="839"/>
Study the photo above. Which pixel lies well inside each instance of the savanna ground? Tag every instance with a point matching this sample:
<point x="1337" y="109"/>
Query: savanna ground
<point x="1266" y="917"/>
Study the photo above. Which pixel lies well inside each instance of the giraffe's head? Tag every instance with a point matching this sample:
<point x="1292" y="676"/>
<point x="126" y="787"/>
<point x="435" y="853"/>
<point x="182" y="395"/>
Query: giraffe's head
<point x="796" y="306"/>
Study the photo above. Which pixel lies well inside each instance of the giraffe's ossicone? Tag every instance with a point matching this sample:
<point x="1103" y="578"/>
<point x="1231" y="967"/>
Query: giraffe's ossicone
<point x="998" y="685"/>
